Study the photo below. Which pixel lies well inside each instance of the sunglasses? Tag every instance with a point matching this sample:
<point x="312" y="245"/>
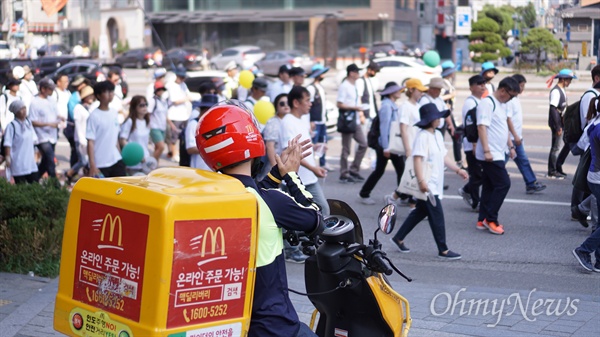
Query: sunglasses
<point x="283" y="103"/>
<point x="143" y="105"/>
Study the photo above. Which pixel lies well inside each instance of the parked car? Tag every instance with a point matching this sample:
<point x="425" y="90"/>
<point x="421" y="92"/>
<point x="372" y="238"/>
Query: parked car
<point x="243" y="56"/>
<point x="45" y="65"/>
<point x="5" y="52"/>
<point x="6" y="67"/>
<point x="54" y="49"/>
<point x="383" y="49"/>
<point x="416" y="49"/>
<point x="195" y="79"/>
<point x="183" y="57"/>
<point x="270" y="64"/>
<point x="352" y="50"/>
<point x="399" y="69"/>
<point x="137" y="58"/>
<point x="95" y="71"/>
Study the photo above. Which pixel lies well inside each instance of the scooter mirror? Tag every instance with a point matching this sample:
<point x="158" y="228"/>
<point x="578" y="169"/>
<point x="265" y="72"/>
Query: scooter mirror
<point x="387" y="218"/>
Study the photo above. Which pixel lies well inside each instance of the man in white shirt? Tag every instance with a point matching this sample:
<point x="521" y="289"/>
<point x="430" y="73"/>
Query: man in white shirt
<point x="45" y="119"/>
<point x="318" y="109"/>
<point x="433" y="96"/>
<point x="515" y="125"/>
<point x="494" y="141"/>
<point x="179" y="111"/>
<point x="257" y="91"/>
<point x="297" y="75"/>
<point x="10" y="95"/>
<point x="283" y="85"/>
<point x="348" y="102"/>
<point x="558" y="104"/>
<point x="206" y="102"/>
<point x="28" y="88"/>
<point x="366" y="86"/>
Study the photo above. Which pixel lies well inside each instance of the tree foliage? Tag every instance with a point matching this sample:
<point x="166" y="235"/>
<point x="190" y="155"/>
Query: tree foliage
<point x="537" y="41"/>
<point x="485" y="41"/>
<point x="502" y="16"/>
<point x="528" y="16"/>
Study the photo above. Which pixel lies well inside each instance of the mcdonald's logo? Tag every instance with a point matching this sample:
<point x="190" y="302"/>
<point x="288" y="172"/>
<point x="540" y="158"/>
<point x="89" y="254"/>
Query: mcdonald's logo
<point x="249" y="128"/>
<point x="214" y="235"/>
<point x="112" y="222"/>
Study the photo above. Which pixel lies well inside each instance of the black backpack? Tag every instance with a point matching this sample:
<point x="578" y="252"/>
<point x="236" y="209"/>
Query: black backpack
<point x="374" y="133"/>
<point x="572" y="121"/>
<point x="470" y="123"/>
<point x="184" y="157"/>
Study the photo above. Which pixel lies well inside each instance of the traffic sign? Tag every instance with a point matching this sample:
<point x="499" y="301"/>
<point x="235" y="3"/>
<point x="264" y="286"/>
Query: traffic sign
<point x="14" y="27"/>
<point x="464" y="17"/>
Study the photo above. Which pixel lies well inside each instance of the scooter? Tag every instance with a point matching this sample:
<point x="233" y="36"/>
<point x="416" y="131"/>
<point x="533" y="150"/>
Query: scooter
<point x="345" y="282"/>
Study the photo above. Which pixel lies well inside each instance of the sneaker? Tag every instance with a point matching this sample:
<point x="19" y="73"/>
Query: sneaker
<point x="579" y="216"/>
<point x="480" y="225"/>
<point x="466" y="197"/>
<point x="366" y="201"/>
<point x="584" y="259"/>
<point x="450" y="255"/>
<point x="560" y="172"/>
<point x="328" y="168"/>
<point x="389" y="199"/>
<point x="357" y="176"/>
<point x="536" y="187"/>
<point x="347" y="180"/>
<point x="401" y="247"/>
<point x="597" y="266"/>
<point x="556" y="176"/>
<point x="296" y="257"/>
<point x="494" y="227"/>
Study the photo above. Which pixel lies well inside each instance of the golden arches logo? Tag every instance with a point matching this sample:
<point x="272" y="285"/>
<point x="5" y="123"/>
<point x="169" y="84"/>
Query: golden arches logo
<point x="112" y="222"/>
<point x="213" y="240"/>
<point x="249" y="128"/>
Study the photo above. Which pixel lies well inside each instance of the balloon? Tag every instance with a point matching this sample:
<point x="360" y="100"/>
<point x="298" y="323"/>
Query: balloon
<point x="132" y="154"/>
<point x="431" y="58"/>
<point x="246" y="78"/>
<point x="264" y="110"/>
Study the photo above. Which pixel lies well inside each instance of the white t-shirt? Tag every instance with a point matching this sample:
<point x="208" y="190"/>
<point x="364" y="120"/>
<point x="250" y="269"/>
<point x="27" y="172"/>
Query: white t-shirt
<point x="5" y="115"/>
<point x="196" y="160"/>
<point x="62" y="97"/>
<point x="158" y="109"/>
<point x="20" y="137"/>
<point x="44" y="110"/>
<point x="514" y="111"/>
<point x="555" y="96"/>
<point x="291" y="126"/>
<point x="28" y="90"/>
<point x="278" y="87"/>
<point x="495" y="120"/>
<point x="80" y="116"/>
<point x="431" y="147"/>
<point x="470" y="103"/>
<point x="140" y="135"/>
<point x="178" y="92"/>
<point x="439" y="103"/>
<point x="103" y="128"/>
<point x="372" y="85"/>
<point x="584" y="105"/>
<point x="409" y="115"/>
<point x="348" y="94"/>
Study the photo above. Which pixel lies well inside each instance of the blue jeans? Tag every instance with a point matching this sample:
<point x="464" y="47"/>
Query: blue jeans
<point x="524" y="166"/>
<point x="435" y="215"/>
<point x="47" y="164"/>
<point x="320" y="137"/>
<point x="592" y="243"/>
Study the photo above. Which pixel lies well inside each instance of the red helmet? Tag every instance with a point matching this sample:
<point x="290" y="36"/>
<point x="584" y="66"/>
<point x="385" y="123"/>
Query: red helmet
<point x="228" y="134"/>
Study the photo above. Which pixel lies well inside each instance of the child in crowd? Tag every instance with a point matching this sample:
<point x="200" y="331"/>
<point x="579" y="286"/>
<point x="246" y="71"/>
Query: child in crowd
<point x="102" y="133"/>
<point x="136" y="128"/>
<point x="18" y="144"/>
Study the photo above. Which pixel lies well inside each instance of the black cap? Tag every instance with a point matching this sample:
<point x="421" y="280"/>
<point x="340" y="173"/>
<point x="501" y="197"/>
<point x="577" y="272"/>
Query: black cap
<point x="374" y="66"/>
<point x="296" y="71"/>
<point x="260" y="83"/>
<point x="477" y="79"/>
<point x="352" y="67"/>
<point x="284" y="69"/>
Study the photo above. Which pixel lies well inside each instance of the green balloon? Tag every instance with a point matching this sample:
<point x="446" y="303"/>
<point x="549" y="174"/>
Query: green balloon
<point x="132" y="154"/>
<point x="431" y="58"/>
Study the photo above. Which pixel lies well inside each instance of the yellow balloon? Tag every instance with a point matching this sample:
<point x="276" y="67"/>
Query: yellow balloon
<point x="264" y="110"/>
<point x="246" y="79"/>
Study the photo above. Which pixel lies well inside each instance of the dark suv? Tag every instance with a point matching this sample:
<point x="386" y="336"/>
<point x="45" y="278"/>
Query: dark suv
<point x="383" y="49"/>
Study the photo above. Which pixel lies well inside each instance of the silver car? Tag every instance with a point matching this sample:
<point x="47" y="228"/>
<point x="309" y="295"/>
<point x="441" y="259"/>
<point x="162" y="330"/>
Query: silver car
<point x="243" y="56"/>
<point x="270" y="64"/>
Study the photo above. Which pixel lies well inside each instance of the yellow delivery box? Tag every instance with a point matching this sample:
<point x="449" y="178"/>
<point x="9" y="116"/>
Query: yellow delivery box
<point x="170" y="254"/>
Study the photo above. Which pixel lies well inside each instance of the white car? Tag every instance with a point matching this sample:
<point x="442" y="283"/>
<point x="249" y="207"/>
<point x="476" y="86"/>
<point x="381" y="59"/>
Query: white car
<point x="243" y="56"/>
<point x="399" y="69"/>
<point x="5" y="52"/>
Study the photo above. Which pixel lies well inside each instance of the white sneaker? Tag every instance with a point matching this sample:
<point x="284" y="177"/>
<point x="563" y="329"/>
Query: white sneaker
<point x="366" y="201"/>
<point x="466" y="197"/>
<point x="389" y="199"/>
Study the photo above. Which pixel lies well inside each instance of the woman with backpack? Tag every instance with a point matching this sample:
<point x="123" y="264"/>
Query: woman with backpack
<point x="18" y="141"/>
<point x="387" y="114"/>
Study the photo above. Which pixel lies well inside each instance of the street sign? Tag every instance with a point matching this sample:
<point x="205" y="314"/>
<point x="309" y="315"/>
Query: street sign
<point x="464" y="18"/>
<point x="14" y="27"/>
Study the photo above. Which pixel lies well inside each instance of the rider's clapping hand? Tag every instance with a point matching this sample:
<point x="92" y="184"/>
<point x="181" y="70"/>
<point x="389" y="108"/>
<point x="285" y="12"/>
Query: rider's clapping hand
<point x="290" y="158"/>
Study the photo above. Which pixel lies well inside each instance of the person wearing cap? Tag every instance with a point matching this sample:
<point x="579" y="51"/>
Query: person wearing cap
<point x="28" y="88"/>
<point x="348" y="99"/>
<point x="78" y="83"/>
<point x="257" y="92"/>
<point x="558" y="104"/>
<point x="488" y="71"/>
<point x="470" y="191"/>
<point x="297" y="76"/>
<point x="206" y="102"/>
<point x="433" y="95"/>
<point x="45" y="118"/>
<point x="159" y="75"/>
<point x="180" y="110"/>
<point x="515" y="125"/>
<point x="19" y="141"/>
<point x="387" y="114"/>
<point x="158" y="107"/>
<point x="408" y="114"/>
<point x="493" y="144"/>
<point x="449" y="94"/>
<point x="81" y="113"/>
<point x="429" y="150"/>
<point x="366" y="87"/>
<point x="10" y="95"/>
<point x="318" y="109"/>
<point x="283" y="84"/>
<point x="231" y="81"/>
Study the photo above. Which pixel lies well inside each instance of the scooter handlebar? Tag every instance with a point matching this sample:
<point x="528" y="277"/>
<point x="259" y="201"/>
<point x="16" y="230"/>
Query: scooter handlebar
<point x="378" y="263"/>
